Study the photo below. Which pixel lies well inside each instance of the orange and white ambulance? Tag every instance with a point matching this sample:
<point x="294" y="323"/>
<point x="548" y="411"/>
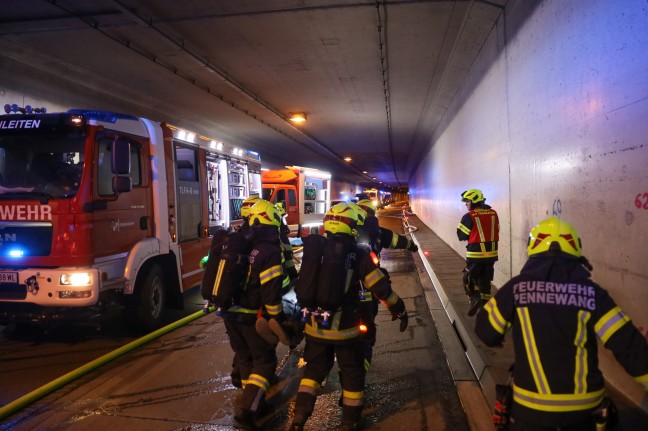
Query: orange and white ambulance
<point x="98" y="207"/>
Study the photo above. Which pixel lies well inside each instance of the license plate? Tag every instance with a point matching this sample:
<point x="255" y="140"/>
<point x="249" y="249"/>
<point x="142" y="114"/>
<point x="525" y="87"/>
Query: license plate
<point x="8" y="277"/>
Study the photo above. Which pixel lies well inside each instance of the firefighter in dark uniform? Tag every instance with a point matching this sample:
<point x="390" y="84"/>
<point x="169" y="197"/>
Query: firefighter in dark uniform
<point x="480" y="227"/>
<point x="556" y="313"/>
<point x="210" y="264"/>
<point x="247" y="204"/>
<point x="339" y="338"/>
<point x="368" y="307"/>
<point x="257" y="359"/>
<point x="286" y="247"/>
<point x="379" y="237"/>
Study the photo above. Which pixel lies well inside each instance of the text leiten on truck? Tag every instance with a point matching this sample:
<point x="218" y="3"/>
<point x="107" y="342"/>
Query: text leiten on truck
<point x="98" y="208"/>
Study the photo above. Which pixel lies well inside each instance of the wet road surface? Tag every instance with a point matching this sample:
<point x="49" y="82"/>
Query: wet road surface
<point x="180" y="381"/>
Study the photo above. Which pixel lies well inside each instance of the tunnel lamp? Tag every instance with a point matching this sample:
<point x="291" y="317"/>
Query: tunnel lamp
<point x="347" y="159"/>
<point x="297" y="117"/>
<point x="365" y="172"/>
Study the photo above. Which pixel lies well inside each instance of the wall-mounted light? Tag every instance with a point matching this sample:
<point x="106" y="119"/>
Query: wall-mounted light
<point x="347" y="159"/>
<point x="297" y="117"/>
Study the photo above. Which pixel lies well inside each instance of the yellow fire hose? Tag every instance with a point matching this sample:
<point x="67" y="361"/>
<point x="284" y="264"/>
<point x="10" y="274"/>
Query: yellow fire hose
<point x="39" y="393"/>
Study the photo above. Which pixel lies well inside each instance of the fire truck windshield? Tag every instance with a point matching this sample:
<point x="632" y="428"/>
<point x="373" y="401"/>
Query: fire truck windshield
<point x="40" y="166"/>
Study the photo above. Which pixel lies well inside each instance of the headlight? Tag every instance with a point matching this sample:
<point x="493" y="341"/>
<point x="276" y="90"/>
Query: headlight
<point x="76" y="279"/>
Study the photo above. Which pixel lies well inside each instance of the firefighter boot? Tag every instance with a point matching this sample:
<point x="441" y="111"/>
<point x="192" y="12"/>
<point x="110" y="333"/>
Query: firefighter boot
<point x="351" y="418"/>
<point x="263" y="329"/>
<point x="475" y="304"/>
<point x="304" y="406"/>
<point x="249" y="406"/>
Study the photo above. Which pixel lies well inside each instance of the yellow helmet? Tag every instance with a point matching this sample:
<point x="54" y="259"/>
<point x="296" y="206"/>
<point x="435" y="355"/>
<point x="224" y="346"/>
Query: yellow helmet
<point x="368" y="206"/>
<point x="247" y="204"/>
<point x="281" y="209"/>
<point x="264" y="213"/>
<point x="553" y="230"/>
<point x="362" y="214"/>
<point x="472" y="195"/>
<point x="341" y="218"/>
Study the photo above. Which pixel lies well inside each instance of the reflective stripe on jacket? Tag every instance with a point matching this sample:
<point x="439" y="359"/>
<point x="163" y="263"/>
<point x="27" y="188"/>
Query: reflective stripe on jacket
<point x="556" y="313"/>
<point x="480" y="227"/>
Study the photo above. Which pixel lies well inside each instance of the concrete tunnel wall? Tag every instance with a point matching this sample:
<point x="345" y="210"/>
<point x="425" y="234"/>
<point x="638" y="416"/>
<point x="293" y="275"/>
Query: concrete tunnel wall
<point x="553" y="120"/>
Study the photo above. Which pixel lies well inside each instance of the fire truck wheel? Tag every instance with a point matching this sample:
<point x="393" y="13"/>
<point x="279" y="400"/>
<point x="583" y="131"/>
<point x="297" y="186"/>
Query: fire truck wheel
<point x="151" y="298"/>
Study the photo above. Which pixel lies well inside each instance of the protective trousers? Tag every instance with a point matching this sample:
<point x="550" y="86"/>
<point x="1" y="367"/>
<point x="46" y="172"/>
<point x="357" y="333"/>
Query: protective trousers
<point x="368" y="310"/>
<point x="477" y="279"/>
<point x="256" y="358"/>
<point x="319" y="359"/>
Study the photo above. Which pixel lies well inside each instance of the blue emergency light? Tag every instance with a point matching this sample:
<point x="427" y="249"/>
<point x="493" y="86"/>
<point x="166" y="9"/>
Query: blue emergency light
<point x="105" y="116"/>
<point x="16" y="253"/>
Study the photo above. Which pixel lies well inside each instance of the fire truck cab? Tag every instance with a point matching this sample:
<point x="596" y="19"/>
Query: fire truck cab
<point x="98" y="207"/>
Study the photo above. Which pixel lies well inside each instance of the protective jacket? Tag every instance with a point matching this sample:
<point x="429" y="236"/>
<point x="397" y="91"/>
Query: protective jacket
<point x="288" y="263"/>
<point x="480" y="227"/>
<point x="265" y="277"/>
<point x="556" y="312"/>
<point x="364" y="276"/>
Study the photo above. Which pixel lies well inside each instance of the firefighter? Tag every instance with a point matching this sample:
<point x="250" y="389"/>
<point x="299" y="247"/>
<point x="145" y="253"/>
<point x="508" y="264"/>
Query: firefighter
<point x="379" y="237"/>
<point x="480" y="227"/>
<point x="289" y="331"/>
<point x="286" y="247"/>
<point x="257" y="358"/>
<point x="382" y="238"/>
<point x="556" y="313"/>
<point x="332" y="332"/>
<point x="210" y="264"/>
<point x="245" y="212"/>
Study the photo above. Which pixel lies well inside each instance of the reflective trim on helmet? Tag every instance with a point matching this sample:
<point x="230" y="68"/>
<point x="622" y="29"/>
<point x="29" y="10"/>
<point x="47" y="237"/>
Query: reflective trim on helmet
<point x="334" y="217"/>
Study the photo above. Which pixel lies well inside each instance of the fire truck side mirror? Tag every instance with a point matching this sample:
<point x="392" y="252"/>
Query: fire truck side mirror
<point x="121" y="157"/>
<point x="121" y="184"/>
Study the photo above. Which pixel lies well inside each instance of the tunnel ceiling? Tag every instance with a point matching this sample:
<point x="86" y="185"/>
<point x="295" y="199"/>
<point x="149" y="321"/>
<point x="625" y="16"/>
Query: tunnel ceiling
<point x="374" y="78"/>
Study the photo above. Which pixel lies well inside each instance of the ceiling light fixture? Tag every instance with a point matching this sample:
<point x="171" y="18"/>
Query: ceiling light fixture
<point x="297" y="117"/>
<point x="347" y="159"/>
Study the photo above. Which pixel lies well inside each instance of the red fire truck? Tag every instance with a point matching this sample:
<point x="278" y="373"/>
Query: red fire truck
<point x="98" y="208"/>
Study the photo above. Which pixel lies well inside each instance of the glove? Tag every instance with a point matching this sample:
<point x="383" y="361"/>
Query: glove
<point x="203" y="261"/>
<point x="404" y="321"/>
<point x="398" y="312"/>
<point x="412" y="247"/>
